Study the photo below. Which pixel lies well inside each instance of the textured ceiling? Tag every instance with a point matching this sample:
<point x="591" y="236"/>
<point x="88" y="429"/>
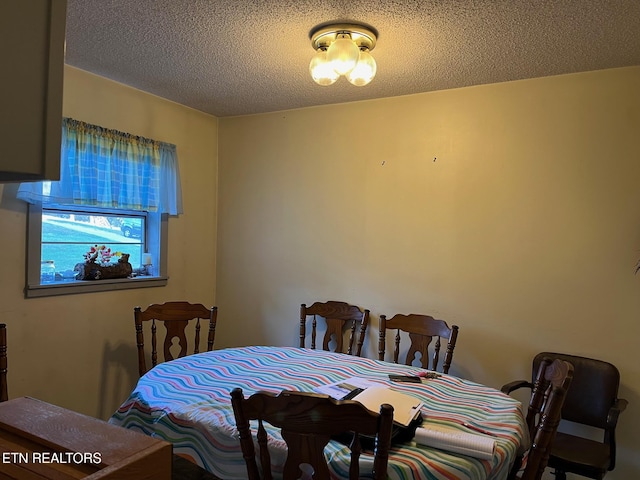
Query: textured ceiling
<point x="229" y="57"/>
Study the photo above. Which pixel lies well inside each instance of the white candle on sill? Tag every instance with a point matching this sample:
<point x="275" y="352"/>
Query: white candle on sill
<point x="146" y="259"/>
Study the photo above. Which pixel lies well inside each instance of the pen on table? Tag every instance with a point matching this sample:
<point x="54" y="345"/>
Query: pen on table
<point x="479" y="430"/>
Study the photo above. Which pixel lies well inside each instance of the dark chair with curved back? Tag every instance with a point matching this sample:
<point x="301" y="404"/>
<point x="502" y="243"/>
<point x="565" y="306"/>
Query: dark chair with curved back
<point x="421" y="330"/>
<point x="3" y="363"/>
<point x="338" y="316"/>
<point x="307" y="422"/>
<point x="548" y="394"/>
<point x="592" y="401"/>
<point x="176" y="317"/>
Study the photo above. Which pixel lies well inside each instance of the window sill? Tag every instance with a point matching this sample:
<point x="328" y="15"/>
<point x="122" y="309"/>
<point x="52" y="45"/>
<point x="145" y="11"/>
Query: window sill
<point x="88" y="286"/>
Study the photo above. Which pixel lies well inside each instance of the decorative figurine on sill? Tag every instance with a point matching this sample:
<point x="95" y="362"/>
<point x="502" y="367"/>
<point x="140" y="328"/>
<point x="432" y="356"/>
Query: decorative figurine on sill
<point x="92" y="269"/>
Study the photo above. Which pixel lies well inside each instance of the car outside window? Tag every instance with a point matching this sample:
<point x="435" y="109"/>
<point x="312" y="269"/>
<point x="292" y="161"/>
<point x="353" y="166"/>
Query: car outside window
<point x="131" y="228"/>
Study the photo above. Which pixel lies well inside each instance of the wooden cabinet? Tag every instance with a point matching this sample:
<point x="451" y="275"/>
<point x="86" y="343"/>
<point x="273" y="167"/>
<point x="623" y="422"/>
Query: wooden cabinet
<point x="40" y="440"/>
<point x="32" y="34"/>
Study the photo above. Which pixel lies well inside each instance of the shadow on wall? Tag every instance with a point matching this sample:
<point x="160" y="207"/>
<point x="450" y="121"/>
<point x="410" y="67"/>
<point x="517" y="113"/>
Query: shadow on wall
<point x="8" y="200"/>
<point x="118" y="377"/>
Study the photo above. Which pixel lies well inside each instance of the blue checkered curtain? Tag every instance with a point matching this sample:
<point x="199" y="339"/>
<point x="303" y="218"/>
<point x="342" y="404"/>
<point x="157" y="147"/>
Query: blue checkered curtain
<point x="110" y="169"/>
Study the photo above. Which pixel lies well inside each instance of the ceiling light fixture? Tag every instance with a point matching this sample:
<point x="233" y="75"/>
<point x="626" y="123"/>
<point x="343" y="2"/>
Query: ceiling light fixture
<point x="343" y="49"/>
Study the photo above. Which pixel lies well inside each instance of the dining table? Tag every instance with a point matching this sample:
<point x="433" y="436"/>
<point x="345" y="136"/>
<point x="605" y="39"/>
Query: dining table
<point x="187" y="402"/>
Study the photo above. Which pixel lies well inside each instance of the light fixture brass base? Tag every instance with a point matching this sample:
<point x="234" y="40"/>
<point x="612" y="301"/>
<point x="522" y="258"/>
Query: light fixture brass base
<point x="323" y="36"/>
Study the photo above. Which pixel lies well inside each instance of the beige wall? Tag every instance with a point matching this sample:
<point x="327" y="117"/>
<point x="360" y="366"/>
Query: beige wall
<point x="511" y="210"/>
<point x="78" y="351"/>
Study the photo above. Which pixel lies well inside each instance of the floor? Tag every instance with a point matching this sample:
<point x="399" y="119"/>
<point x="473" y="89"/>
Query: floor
<point x="185" y="470"/>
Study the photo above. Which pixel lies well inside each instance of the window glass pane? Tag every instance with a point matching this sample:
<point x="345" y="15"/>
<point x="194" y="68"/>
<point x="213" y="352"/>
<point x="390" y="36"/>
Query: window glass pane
<point x="68" y="235"/>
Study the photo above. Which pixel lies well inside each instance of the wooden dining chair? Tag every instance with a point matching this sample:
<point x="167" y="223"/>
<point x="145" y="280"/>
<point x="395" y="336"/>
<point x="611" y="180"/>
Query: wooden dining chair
<point x="593" y="402"/>
<point x="177" y="318"/>
<point x="307" y="422"/>
<point x="338" y="316"/>
<point x="3" y="363"/>
<point x="421" y="329"/>
<point x="548" y="394"/>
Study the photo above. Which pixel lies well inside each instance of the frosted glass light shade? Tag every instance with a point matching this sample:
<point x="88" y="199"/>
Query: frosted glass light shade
<point x="343" y="54"/>
<point x="364" y="70"/>
<point x="321" y="69"/>
<point x="343" y="49"/>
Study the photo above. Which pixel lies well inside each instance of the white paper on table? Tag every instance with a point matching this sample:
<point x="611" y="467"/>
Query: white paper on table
<point x="471" y="444"/>
<point x="405" y="407"/>
<point x="339" y="389"/>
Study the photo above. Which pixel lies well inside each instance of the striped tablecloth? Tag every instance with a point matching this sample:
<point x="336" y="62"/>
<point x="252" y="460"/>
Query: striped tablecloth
<point x="187" y="402"/>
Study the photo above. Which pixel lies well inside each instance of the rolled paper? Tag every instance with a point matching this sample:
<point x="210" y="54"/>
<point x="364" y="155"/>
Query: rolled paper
<point x="471" y="444"/>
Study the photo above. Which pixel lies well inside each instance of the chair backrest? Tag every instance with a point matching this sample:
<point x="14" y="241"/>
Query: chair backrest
<point x="176" y="317"/>
<point x="548" y="394"/>
<point x="3" y="363"/>
<point x="593" y="397"/>
<point x="594" y="389"/>
<point x="307" y="422"/>
<point x="421" y="330"/>
<point x="338" y="316"/>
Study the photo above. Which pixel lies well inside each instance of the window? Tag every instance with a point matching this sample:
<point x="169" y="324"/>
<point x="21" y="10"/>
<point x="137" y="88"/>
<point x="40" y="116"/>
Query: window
<point x="67" y="232"/>
<point x="116" y="192"/>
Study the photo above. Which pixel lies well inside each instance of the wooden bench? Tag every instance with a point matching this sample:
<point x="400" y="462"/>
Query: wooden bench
<point x="42" y="441"/>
